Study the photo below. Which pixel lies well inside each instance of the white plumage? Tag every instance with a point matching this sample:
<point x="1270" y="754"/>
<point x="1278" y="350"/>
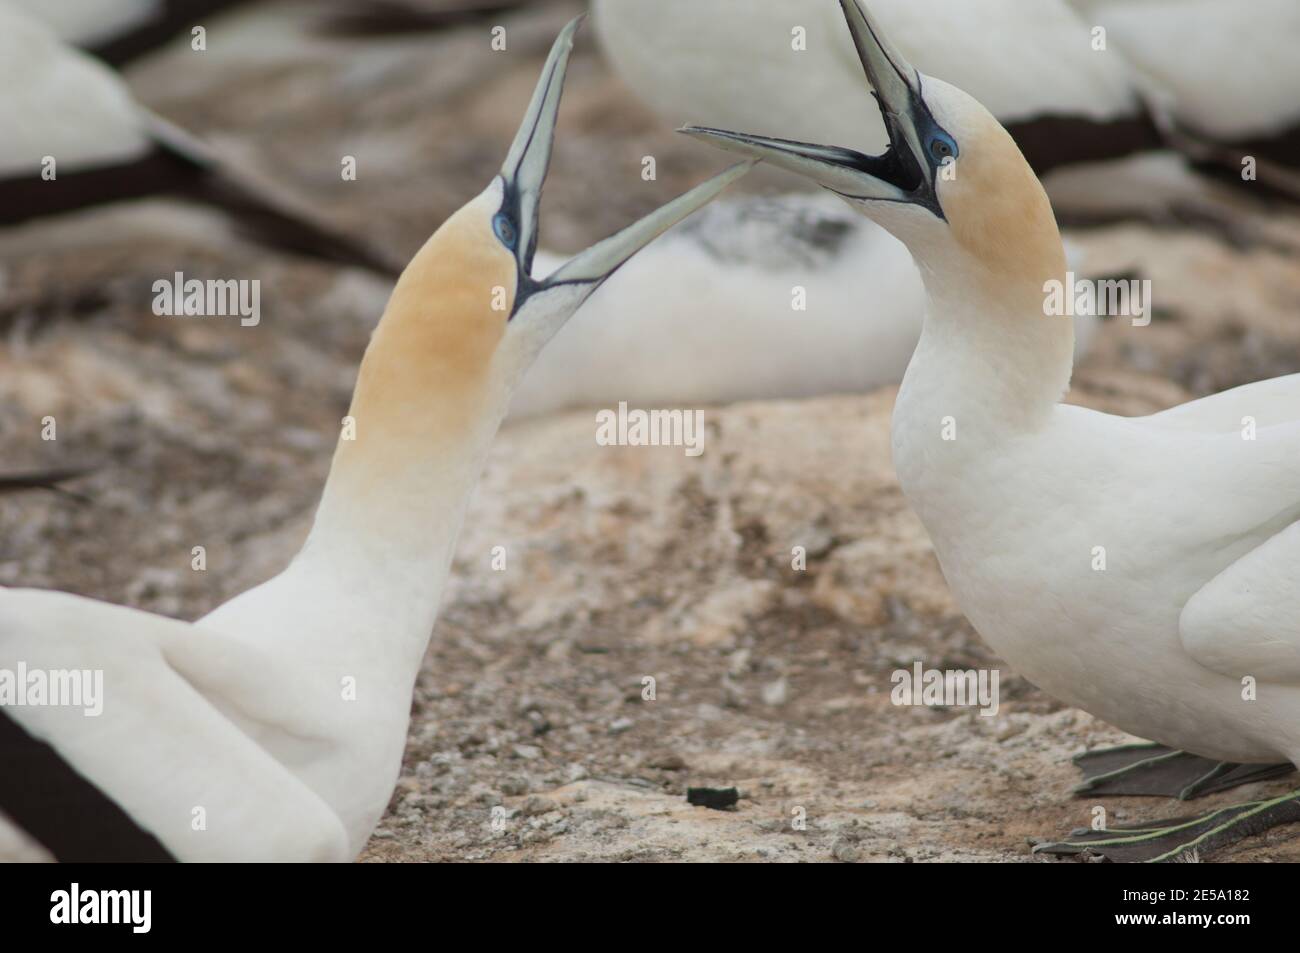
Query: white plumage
<point x="87" y="23"/>
<point x="57" y="102"/>
<point x="1215" y="69"/>
<point x="709" y="314"/>
<point x="732" y="63"/>
<point x="1224" y="69"/>
<point x="75" y="137"/>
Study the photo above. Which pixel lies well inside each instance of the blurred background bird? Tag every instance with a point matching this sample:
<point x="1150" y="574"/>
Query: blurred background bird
<point x="1084" y="86"/>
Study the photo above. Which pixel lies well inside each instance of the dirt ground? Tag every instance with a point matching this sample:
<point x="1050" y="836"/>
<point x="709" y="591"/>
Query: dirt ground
<point x="623" y="564"/>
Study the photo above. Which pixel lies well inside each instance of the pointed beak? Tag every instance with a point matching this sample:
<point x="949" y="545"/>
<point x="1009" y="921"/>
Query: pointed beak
<point x="529" y="159"/>
<point x="904" y="173"/>
<point x="524" y="174"/>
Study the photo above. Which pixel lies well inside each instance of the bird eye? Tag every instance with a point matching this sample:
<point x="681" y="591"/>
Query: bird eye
<point x="505" y="230"/>
<point x="941" y="149"/>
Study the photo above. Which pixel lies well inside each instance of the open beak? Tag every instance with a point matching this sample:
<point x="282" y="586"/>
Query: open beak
<point x="904" y="173"/>
<point x="524" y="174"/>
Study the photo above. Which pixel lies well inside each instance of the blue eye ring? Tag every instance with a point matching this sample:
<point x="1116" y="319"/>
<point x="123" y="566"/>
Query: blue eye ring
<point x="505" y="230"/>
<point x="942" y="148"/>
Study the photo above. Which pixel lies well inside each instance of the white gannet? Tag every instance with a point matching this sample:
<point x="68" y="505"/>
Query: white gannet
<point x="1084" y="118"/>
<point x="753" y="298"/>
<point x="1143" y="569"/>
<point x="74" y="137"/>
<point x="273" y="728"/>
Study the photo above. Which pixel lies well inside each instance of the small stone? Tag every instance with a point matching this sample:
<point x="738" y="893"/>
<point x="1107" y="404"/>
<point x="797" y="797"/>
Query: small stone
<point x="666" y="761"/>
<point x="775" y="693"/>
<point x="620" y="725"/>
<point x="536" y="805"/>
<point x="845" y="851"/>
<point x="513" y="787"/>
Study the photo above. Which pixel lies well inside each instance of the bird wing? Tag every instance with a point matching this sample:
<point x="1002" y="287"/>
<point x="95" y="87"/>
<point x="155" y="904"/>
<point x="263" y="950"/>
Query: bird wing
<point x="160" y="749"/>
<point x="1260" y="405"/>
<point x="1034" y="69"/>
<point x="61" y="104"/>
<point x="1246" y="621"/>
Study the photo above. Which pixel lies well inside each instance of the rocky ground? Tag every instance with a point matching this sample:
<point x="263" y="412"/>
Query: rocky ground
<point x="532" y="737"/>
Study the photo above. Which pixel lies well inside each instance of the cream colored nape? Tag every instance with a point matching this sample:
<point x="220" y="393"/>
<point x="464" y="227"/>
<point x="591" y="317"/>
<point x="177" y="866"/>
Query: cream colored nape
<point x="435" y="346"/>
<point x="996" y="214"/>
<point x="996" y="207"/>
<point x="452" y="303"/>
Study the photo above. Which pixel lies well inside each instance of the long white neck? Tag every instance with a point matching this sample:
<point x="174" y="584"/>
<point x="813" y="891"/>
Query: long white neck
<point x="430" y="395"/>
<point x="988" y="355"/>
<point x="990" y="366"/>
<point x="385" y="533"/>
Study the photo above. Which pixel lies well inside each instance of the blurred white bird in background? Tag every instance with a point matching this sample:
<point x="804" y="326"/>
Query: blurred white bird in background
<point x="118" y="31"/>
<point x="74" y="137"/>
<point x="1222" y="73"/>
<point x="758" y="295"/>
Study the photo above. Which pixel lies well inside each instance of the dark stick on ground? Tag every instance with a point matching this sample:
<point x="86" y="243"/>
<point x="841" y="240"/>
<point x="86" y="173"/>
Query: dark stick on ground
<point x="716" y="799"/>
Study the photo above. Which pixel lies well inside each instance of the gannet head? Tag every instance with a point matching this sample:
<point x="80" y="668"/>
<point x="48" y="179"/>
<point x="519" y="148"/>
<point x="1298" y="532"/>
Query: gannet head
<point x="952" y="184"/>
<point x="468" y="304"/>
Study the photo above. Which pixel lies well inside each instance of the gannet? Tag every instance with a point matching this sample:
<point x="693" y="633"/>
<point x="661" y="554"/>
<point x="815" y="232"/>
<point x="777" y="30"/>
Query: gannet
<point x="1085" y="118"/>
<point x="273" y="728"/>
<point x="74" y="137"/>
<point x="1143" y="569"/>
<point x="753" y="298"/>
